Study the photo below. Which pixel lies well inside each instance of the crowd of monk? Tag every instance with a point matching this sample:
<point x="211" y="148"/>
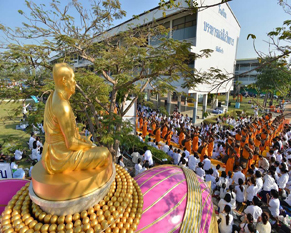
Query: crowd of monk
<point x="251" y="139"/>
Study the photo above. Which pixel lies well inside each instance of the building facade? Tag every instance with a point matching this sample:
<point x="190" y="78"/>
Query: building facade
<point x="214" y="28"/>
<point x="242" y="68"/>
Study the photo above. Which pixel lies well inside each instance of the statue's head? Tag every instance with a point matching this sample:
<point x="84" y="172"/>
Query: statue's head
<point x="64" y="78"/>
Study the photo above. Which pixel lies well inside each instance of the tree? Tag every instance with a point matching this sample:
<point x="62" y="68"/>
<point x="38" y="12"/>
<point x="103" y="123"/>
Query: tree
<point x="274" y="77"/>
<point x="122" y="64"/>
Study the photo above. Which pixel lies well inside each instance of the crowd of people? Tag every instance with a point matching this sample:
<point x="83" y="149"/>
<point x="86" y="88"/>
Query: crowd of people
<point x="248" y="163"/>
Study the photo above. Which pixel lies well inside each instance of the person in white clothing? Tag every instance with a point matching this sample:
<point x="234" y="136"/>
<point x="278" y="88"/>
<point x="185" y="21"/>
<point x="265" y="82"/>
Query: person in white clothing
<point x="187" y="153"/>
<point x="264" y="225"/>
<point x="148" y="156"/>
<point x="283" y="178"/>
<point x="209" y="177"/>
<point x="215" y="171"/>
<point x="135" y="156"/>
<point x="18" y="154"/>
<point x="166" y="147"/>
<point x="31" y="140"/>
<point x="238" y="175"/>
<point x="199" y="170"/>
<point x="206" y="163"/>
<point x="13" y="165"/>
<point x="34" y="152"/>
<point x="19" y="174"/>
<point x="254" y="209"/>
<point x="259" y="181"/>
<point x="193" y="161"/>
<point x="252" y="190"/>
<point x="240" y="191"/>
<point x="177" y="157"/>
<point x="138" y="167"/>
<point x="226" y="220"/>
<point x="225" y="201"/>
<point x="120" y="162"/>
<point x="274" y="203"/>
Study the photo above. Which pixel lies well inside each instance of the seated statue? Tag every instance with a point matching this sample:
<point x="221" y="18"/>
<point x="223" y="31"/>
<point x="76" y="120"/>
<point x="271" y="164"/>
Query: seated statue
<point x="65" y="150"/>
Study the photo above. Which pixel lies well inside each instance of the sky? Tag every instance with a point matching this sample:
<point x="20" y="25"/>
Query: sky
<point x="255" y="16"/>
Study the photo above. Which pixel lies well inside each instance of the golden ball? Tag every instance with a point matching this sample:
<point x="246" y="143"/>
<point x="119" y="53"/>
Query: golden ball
<point x="76" y="216"/>
<point x="120" y="209"/>
<point x="90" y="210"/>
<point x="130" y="231"/>
<point x="53" y="219"/>
<point x="136" y="220"/>
<point x="115" y="230"/>
<point x="115" y="214"/>
<point x="105" y="207"/>
<point x="7" y="211"/>
<point x="69" y="218"/>
<point x="138" y="215"/>
<point x="23" y="229"/>
<point x="113" y="225"/>
<point x="38" y="226"/>
<point x="44" y="228"/>
<point x="27" y="221"/>
<point x="32" y="224"/>
<point x="123" y="220"/>
<point x="117" y="220"/>
<point x="6" y="227"/>
<point x="122" y="230"/>
<point x="100" y="218"/>
<point x="9" y="230"/>
<point x="122" y="194"/>
<point x="133" y="210"/>
<point x="30" y="231"/>
<point x="139" y="210"/>
<point x="53" y="227"/>
<point x="97" y="227"/>
<point x="41" y="216"/>
<point x="126" y="214"/>
<point x="90" y="230"/>
<point x="109" y="203"/>
<point x="93" y="216"/>
<point x="77" y="229"/>
<point x="110" y="219"/>
<point x="16" y="222"/>
<point x="132" y="215"/>
<point x="61" y="227"/>
<point x="133" y="226"/>
<point x="15" y="217"/>
<point x="96" y="207"/>
<point x="130" y="220"/>
<point x="99" y="212"/>
<point x="102" y="203"/>
<point x="86" y="227"/>
<point x="77" y="223"/>
<point x="93" y="222"/>
<point x="106" y="198"/>
<point x="104" y="224"/>
<point x="86" y="220"/>
<point x="69" y="231"/>
<point x="61" y="219"/>
<point x="107" y="213"/>
<point x="84" y="214"/>
<point x="116" y="204"/>
<point x="113" y="199"/>
<point x="69" y="226"/>
<point x="112" y="209"/>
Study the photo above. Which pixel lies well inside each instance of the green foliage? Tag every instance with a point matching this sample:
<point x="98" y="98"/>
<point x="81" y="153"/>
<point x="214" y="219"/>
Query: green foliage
<point x="163" y="111"/>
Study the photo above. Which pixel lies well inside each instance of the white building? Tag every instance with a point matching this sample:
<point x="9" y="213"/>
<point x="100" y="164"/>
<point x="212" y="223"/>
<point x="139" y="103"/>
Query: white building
<point x="244" y="66"/>
<point x="214" y="28"/>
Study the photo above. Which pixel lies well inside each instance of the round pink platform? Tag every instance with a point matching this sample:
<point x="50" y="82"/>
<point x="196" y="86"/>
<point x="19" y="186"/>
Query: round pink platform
<point x="165" y="191"/>
<point x="9" y="187"/>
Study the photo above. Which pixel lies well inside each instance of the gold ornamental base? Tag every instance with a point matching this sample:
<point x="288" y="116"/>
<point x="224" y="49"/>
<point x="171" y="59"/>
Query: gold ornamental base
<point x="119" y="211"/>
<point x="68" y="186"/>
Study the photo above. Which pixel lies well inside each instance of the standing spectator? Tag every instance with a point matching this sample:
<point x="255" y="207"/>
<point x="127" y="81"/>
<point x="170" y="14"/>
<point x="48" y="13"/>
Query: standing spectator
<point x="148" y="156"/>
<point x="31" y="140"/>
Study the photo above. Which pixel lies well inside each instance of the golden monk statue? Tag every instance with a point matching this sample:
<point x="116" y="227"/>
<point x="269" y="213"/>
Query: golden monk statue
<point x="65" y="150"/>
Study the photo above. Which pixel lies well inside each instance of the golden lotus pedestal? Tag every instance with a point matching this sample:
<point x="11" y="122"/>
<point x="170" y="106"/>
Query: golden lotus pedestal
<point x="69" y="193"/>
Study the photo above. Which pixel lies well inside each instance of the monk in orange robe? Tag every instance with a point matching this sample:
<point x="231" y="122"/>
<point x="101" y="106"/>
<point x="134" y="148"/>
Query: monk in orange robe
<point x="164" y="131"/>
<point x="204" y="151"/>
<point x="145" y="128"/>
<point x="158" y="134"/>
<point x="210" y="147"/>
<point x="188" y="143"/>
<point x="238" y="136"/>
<point x="169" y="137"/>
<point x="140" y="123"/>
<point x="154" y="126"/>
<point x="195" y="141"/>
<point x="181" y="138"/>
<point x="231" y="159"/>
